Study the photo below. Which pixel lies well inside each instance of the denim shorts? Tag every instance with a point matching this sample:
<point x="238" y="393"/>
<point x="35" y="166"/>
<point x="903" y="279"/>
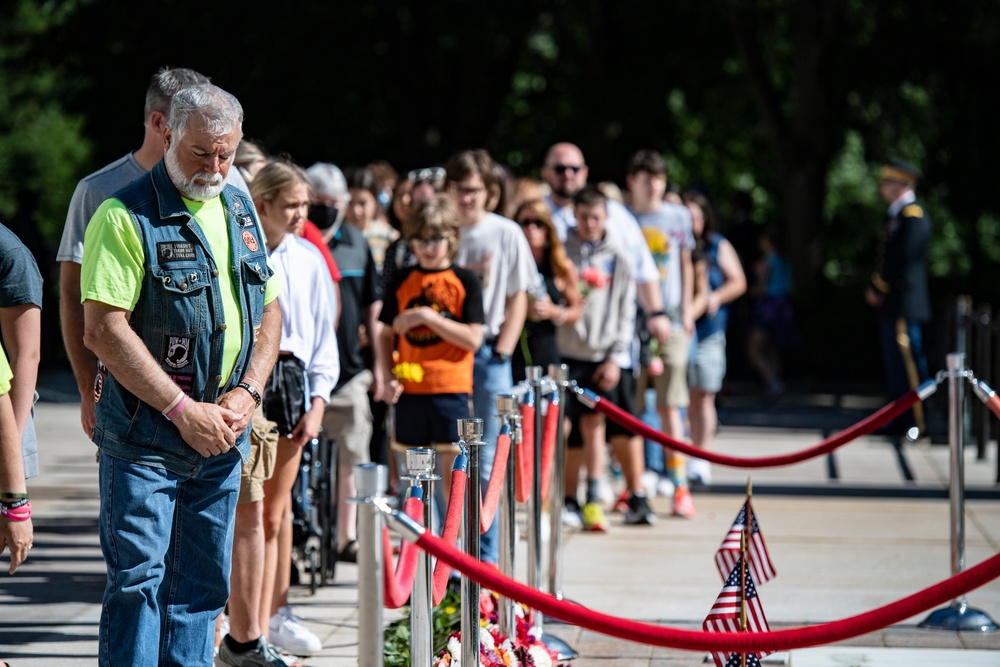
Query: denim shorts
<point x="708" y="363"/>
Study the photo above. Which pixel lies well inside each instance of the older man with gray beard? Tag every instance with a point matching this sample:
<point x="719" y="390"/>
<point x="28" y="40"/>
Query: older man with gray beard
<point x="180" y="311"/>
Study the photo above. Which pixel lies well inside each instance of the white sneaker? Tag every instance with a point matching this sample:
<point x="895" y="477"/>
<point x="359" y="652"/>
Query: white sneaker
<point x="699" y="471"/>
<point x="665" y="488"/>
<point x="650" y="480"/>
<point x="288" y="632"/>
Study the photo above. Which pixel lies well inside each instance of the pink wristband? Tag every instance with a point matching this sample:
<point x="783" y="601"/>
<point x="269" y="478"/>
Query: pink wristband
<point x="22" y="513"/>
<point x="177" y="408"/>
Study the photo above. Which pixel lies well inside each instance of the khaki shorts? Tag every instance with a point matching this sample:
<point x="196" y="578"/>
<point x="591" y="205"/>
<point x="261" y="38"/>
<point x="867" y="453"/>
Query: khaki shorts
<point x="260" y="464"/>
<point x="671" y="387"/>
<point x="348" y="420"/>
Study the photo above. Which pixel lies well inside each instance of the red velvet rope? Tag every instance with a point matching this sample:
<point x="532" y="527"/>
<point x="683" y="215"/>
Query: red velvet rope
<point x="524" y="454"/>
<point x="399" y="583"/>
<point x="549" y="446"/>
<point x="694" y="640"/>
<point x="488" y="507"/>
<point x="863" y="427"/>
<point x="993" y="403"/>
<point x="449" y="533"/>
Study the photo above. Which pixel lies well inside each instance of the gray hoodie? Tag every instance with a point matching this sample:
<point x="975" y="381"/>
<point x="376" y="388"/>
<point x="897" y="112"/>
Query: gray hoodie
<point x="607" y="323"/>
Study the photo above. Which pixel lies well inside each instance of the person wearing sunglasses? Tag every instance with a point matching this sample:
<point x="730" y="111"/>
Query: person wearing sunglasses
<point x="554" y="301"/>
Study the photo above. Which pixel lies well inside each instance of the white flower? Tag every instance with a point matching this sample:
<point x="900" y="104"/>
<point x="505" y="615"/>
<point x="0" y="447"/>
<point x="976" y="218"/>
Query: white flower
<point x="455" y="649"/>
<point x="540" y="655"/>
<point x="486" y="639"/>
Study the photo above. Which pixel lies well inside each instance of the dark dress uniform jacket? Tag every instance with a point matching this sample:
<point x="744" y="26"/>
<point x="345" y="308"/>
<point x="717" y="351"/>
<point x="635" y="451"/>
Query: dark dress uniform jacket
<point x="901" y="272"/>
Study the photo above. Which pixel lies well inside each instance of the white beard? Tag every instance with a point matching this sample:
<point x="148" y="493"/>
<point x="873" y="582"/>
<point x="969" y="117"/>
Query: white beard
<point x="187" y="186"/>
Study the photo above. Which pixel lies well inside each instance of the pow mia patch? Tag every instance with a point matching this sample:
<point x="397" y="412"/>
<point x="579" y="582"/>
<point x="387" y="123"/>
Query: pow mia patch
<point x="175" y="251"/>
<point x="177" y="351"/>
<point x="246" y="220"/>
<point x="250" y="242"/>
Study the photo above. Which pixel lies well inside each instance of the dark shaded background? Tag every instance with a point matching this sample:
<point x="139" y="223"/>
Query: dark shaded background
<point x="793" y="101"/>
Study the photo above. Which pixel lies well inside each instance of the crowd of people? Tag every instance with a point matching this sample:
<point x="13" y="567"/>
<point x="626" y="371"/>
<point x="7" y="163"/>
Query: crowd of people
<point x="218" y="319"/>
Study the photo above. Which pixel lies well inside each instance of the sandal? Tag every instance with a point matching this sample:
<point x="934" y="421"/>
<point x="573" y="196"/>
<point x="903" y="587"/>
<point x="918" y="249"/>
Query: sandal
<point x="349" y="554"/>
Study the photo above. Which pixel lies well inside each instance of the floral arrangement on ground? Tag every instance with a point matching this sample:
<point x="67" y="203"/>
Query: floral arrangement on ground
<point x="495" y="650"/>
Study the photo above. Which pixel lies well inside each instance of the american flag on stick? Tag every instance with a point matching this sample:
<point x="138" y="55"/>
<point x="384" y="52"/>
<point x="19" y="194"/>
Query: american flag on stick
<point x="726" y="613"/>
<point x="729" y="553"/>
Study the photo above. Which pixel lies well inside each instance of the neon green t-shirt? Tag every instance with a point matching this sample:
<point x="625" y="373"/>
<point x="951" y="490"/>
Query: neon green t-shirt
<point x="6" y="375"/>
<point x="113" y="265"/>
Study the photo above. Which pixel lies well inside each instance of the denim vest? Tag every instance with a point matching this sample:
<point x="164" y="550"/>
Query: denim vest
<point x="179" y="317"/>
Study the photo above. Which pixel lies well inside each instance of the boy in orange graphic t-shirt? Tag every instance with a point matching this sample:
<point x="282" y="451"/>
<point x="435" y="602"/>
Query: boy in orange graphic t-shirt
<point x="433" y="314"/>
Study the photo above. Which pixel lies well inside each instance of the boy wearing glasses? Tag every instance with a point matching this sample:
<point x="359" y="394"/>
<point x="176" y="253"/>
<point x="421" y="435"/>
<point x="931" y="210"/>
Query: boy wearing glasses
<point x="434" y="313"/>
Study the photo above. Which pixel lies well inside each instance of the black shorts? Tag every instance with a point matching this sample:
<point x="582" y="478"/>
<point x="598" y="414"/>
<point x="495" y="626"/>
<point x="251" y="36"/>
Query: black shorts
<point x="284" y="397"/>
<point x="424" y="420"/>
<point x="623" y="395"/>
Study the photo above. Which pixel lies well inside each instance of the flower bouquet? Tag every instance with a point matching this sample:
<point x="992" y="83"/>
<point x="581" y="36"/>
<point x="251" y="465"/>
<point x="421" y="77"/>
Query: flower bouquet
<point x="591" y="278"/>
<point x="495" y="650"/>
<point x="408" y="372"/>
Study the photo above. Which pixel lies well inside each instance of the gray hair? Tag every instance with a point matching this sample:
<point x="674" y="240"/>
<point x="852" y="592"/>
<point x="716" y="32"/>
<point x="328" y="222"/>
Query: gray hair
<point x="218" y="110"/>
<point x="165" y="84"/>
<point x="328" y="180"/>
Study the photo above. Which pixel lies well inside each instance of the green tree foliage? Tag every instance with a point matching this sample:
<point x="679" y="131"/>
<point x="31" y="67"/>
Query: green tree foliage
<point x="41" y="145"/>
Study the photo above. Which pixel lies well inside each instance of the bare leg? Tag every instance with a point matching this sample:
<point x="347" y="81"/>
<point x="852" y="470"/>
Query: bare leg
<point x="248" y="572"/>
<point x="347" y="513"/>
<point x="628" y="451"/>
<point x="278" y="529"/>
<point x="703" y="417"/>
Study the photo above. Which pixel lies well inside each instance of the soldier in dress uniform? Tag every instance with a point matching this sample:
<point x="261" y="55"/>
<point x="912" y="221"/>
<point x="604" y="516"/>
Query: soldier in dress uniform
<point x="898" y="291"/>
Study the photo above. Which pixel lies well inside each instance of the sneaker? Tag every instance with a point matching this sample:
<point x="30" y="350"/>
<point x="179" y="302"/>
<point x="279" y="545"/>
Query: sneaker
<point x="699" y="471"/>
<point x="263" y="656"/>
<point x="650" y="481"/>
<point x="288" y="632"/>
<point x="621" y="504"/>
<point x="594" y="519"/>
<point x="665" y="488"/>
<point x="683" y="505"/>
<point x="571" y="515"/>
<point x="639" y="512"/>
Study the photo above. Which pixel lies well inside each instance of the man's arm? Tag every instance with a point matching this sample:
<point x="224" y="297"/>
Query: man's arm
<point x="374" y="327"/>
<point x="514" y="313"/>
<point x="651" y="301"/>
<point x="21" y="328"/>
<point x="265" y="352"/>
<point x="14" y="534"/>
<point x="687" y="291"/>
<point x="83" y="361"/>
<point x="204" y="426"/>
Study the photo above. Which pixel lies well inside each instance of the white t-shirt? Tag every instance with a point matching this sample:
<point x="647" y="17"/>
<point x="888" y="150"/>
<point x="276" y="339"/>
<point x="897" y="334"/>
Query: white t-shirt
<point x="667" y="231"/>
<point x="622" y="229"/>
<point x="497" y="252"/>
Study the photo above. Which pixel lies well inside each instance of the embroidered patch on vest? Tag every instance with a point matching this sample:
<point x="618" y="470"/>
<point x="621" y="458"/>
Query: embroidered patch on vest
<point x="176" y="251"/>
<point x="246" y="220"/>
<point x="185" y="382"/>
<point x="98" y="387"/>
<point x="250" y="242"/>
<point x="177" y="351"/>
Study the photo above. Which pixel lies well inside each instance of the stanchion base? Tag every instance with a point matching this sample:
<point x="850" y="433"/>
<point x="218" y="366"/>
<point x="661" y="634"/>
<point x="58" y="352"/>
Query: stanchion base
<point x="563" y="650"/>
<point x="959" y="617"/>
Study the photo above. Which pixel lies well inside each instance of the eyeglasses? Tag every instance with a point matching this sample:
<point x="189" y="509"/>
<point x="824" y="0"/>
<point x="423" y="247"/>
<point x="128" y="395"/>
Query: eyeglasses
<point x="561" y="169"/>
<point x="531" y="222"/>
<point x="462" y="193"/>
<point x="429" y="243"/>
<point x="426" y="174"/>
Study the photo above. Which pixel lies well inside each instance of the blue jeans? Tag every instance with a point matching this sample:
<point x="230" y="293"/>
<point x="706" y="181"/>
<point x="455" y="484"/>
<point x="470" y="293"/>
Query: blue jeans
<point x="489" y="378"/>
<point x="167" y="541"/>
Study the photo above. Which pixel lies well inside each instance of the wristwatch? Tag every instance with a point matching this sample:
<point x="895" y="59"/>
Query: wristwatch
<point x="502" y="357"/>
